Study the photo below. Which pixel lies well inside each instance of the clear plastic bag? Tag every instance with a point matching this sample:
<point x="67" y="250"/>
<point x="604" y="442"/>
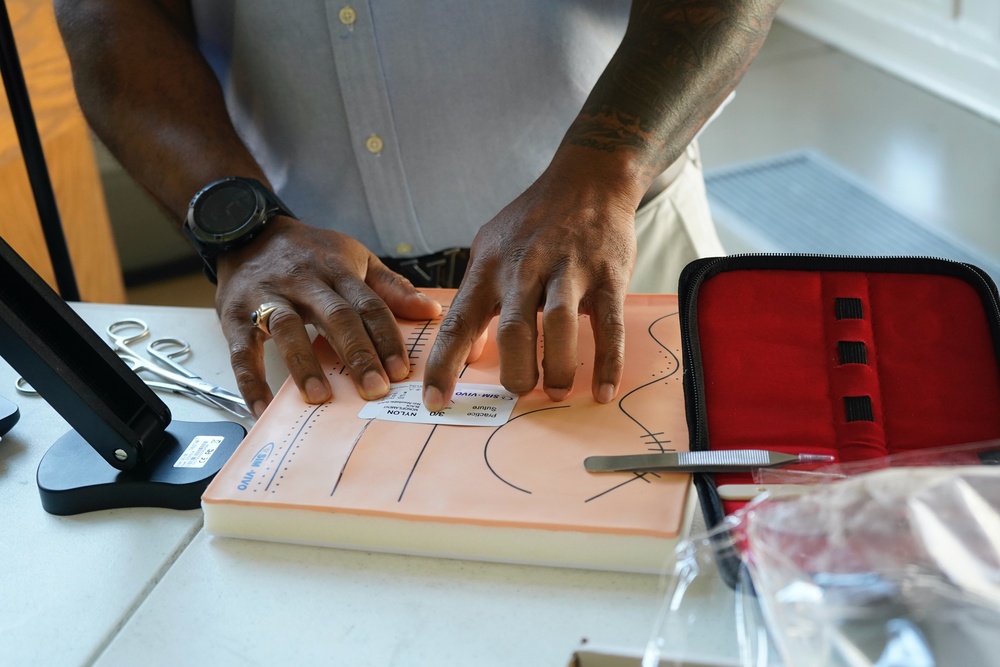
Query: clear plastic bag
<point x="868" y="567"/>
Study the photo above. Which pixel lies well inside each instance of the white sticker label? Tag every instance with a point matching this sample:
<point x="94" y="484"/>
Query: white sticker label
<point x="471" y="405"/>
<point x="197" y="454"/>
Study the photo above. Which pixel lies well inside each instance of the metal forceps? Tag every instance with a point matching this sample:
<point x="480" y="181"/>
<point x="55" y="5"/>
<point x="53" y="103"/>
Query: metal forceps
<point x="126" y="331"/>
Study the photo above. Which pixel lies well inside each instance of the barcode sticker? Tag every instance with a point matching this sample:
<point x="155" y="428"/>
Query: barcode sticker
<point x="197" y="454"/>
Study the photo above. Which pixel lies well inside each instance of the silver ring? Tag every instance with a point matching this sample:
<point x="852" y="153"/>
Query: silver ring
<point x="260" y="317"/>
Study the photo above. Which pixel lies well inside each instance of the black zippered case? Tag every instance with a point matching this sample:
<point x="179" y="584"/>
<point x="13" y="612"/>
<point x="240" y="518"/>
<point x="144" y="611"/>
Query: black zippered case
<point x="856" y="357"/>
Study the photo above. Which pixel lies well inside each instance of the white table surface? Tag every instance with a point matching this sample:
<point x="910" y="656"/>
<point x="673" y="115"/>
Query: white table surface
<point x="148" y="586"/>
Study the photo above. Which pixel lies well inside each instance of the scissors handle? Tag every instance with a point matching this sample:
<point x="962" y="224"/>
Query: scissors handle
<point x="166" y="350"/>
<point x="117" y="331"/>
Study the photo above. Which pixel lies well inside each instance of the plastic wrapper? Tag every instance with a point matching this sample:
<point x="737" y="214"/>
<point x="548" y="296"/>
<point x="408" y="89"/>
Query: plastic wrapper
<point x="867" y="565"/>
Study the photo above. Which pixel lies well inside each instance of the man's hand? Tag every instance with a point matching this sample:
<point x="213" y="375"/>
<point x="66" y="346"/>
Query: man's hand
<point x="565" y="246"/>
<point x="322" y="278"/>
<point x="152" y="98"/>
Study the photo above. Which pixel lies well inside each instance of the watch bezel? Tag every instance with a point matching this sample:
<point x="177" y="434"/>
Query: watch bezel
<point x="210" y="245"/>
<point x="221" y="241"/>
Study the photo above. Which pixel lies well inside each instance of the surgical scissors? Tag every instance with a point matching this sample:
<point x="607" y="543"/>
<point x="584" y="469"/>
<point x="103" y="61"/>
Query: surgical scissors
<point x="126" y="331"/>
<point x="165" y="350"/>
<point x="24" y="388"/>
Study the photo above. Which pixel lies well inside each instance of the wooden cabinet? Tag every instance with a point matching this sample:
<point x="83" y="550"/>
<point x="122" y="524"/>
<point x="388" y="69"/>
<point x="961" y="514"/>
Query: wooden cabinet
<point x="70" y="156"/>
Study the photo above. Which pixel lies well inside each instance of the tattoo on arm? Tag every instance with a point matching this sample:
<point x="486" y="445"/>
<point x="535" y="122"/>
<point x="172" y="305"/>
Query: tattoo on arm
<point x="678" y="61"/>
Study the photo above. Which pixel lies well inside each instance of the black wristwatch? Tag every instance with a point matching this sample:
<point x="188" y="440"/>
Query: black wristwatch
<point x="229" y="214"/>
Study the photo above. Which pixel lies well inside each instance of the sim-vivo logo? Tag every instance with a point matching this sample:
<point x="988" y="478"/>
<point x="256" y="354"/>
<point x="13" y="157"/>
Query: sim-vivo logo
<point x="258" y="460"/>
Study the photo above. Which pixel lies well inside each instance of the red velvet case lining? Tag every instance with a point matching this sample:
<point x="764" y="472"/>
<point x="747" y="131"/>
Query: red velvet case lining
<point x="773" y="377"/>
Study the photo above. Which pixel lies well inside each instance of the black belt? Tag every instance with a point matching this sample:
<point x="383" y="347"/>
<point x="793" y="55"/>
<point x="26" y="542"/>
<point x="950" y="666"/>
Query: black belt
<point x="438" y="269"/>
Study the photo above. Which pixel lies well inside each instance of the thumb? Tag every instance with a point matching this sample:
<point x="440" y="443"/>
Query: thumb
<point x="403" y="299"/>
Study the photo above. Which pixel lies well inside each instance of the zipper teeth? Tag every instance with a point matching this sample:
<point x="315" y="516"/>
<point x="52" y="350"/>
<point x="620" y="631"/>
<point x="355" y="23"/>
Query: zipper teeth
<point x="691" y="327"/>
<point x="695" y="282"/>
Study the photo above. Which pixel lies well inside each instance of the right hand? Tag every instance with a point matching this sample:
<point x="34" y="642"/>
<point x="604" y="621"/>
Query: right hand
<point x="326" y="279"/>
<point x="566" y="246"/>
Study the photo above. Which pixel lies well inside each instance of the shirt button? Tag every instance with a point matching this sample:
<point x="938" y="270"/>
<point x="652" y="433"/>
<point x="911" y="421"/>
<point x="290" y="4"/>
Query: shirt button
<point x="374" y="144"/>
<point x="404" y="249"/>
<point x="347" y="15"/>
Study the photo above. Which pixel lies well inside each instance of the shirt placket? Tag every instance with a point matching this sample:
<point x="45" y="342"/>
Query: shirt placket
<point x="373" y="133"/>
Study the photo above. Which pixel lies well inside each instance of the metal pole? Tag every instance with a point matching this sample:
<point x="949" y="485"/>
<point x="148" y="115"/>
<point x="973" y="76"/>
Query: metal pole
<point x="34" y="160"/>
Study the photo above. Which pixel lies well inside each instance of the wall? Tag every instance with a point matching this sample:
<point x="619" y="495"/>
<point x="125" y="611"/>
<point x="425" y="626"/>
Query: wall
<point x="951" y="47"/>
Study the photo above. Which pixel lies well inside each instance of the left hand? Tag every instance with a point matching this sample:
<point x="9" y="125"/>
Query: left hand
<point x="566" y="246"/>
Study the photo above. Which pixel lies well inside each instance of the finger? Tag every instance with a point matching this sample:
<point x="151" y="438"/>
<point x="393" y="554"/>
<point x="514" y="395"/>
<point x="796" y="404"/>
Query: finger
<point x="477" y="348"/>
<point x="345" y="330"/>
<point x="246" y="355"/>
<point x="517" y="338"/>
<point x="381" y="329"/>
<point x="463" y="325"/>
<point x="560" y="322"/>
<point x="402" y="298"/>
<point x="607" y="318"/>
<point x="290" y="337"/>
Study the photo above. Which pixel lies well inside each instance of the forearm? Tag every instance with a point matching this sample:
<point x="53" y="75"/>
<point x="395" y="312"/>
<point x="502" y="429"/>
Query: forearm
<point x="678" y="61"/>
<point x="149" y="95"/>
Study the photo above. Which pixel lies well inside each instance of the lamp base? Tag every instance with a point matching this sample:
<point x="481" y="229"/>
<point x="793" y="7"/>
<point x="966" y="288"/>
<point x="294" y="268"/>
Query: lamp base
<point x="9" y="415"/>
<point x="73" y="478"/>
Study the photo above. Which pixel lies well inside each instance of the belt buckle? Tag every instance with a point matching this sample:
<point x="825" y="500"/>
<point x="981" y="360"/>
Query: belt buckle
<point x="437" y="269"/>
<point x="451" y="257"/>
<point x="415" y="266"/>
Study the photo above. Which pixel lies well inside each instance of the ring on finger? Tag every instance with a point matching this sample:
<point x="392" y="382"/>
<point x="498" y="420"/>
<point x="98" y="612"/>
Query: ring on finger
<point x="260" y="317"/>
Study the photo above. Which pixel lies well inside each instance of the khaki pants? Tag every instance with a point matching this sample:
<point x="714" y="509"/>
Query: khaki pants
<point x="672" y="229"/>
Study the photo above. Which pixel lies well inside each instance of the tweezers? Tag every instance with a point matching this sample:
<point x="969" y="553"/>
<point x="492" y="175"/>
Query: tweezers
<point x="734" y="460"/>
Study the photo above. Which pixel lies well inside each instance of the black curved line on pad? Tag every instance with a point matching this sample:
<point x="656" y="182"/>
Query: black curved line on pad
<point x="486" y="447"/>
<point x="677" y="366"/>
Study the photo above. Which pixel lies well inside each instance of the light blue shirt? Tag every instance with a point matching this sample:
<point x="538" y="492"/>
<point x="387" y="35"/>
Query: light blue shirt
<point x="406" y="123"/>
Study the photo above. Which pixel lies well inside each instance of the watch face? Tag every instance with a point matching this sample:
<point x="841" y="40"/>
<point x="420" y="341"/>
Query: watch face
<point x="226" y="208"/>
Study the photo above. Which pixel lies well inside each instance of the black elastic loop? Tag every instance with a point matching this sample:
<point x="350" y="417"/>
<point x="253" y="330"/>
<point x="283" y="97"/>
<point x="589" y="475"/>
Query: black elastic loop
<point x="849" y="309"/>
<point x="852" y="352"/>
<point x="858" y="409"/>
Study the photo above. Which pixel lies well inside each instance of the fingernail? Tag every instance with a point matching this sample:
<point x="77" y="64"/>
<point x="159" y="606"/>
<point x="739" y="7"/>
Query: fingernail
<point x="557" y="394"/>
<point x="606" y="393"/>
<point x="316" y="391"/>
<point x="373" y="385"/>
<point x="396" y="368"/>
<point x="433" y="399"/>
<point x="425" y="297"/>
<point x="258" y="408"/>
